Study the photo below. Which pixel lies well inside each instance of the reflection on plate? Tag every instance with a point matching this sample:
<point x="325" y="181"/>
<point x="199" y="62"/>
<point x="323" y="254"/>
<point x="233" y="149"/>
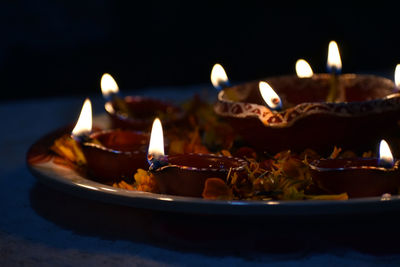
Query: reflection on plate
<point x="65" y="179"/>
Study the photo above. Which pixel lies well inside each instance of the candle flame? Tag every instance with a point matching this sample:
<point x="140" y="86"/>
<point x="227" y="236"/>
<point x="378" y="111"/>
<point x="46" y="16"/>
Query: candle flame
<point x="218" y="77"/>
<point x="156" y="146"/>
<point x="334" y="62"/>
<point x="270" y="97"/>
<point x="303" y="69"/>
<point x="84" y="123"/>
<point x="385" y="155"/>
<point x="108" y="85"/>
<point x="397" y="76"/>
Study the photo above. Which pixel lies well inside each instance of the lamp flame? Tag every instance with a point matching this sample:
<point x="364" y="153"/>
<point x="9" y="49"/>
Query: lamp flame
<point x="303" y="69"/>
<point x="334" y="63"/>
<point x="397" y="76"/>
<point x="270" y="97"/>
<point x="108" y="85"/>
<point x="219" y="78"/>
<point x="156" y="146"/>
<point x="84" y="124"/>
<point x="385" y="155"/>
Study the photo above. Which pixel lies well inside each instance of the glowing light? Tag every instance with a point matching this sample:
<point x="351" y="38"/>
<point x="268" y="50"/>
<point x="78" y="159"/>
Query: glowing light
<point x="166" y="198"/>
<point x="218" y="77"/>
<point x="334" y="62"/>
<point x="270" y="97"/>
<point x="303" y="69"/>
<point x="397" y="76"/>
<point x="84" y="123"/>
<point x="385" y="155"/>
<point x="108" y="85"/>
<point x="88" y="186"/>
<point x="156" y="146"/>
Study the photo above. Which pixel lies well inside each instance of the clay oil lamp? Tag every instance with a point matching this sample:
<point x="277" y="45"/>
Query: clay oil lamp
<point x="186" y="174"/>
<point x="317" y="111"/>
<point x="359" y="177"/>
<point x="135" y="112"/>
<point x="109" y="154"/>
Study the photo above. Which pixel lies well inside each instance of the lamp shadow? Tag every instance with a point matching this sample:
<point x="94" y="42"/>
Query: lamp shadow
<point x="218" y="235"/>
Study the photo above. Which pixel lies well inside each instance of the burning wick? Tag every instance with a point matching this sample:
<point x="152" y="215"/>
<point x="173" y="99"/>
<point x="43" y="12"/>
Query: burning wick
<point x="397" y="77"/>
<point x="334" y="67"/>
<point x="110" y="91"/>
<point x="270" y="97"/>
<point x="83" y="126"/>
<point x="385" y="158"/>
<point x="156" y="163"/>
<point x="155" y="154"/>
<point x="303" y="69"/>
<point x="219" y="79"/>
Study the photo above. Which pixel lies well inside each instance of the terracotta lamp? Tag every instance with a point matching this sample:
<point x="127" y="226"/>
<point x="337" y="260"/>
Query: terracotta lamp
<point x="308" y="114"/>
<point x="359" y="177"/>
<point x="110" y="154"/>
<point x="185" y="174"/>
<point x="135" y="112"/>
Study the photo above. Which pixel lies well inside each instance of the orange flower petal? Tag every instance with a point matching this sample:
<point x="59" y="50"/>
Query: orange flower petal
<point x="215" y="188"/>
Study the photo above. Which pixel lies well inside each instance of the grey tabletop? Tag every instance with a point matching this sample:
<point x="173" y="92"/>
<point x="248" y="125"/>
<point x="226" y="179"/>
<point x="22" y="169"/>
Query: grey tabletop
<point x="40" y="226"/>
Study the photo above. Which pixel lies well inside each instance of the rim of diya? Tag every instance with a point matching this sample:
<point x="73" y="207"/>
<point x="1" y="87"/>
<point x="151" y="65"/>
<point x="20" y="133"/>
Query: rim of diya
<point x="241" y="163"/>
<point x="314" y="165"/>
<point x="243" y="108"/>
<point x="114" y="149"/>
<point x="145" y="109"/>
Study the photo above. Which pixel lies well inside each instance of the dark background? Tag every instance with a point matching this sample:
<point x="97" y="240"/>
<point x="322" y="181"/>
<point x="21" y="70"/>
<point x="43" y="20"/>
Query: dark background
<point x="60" y="48"/>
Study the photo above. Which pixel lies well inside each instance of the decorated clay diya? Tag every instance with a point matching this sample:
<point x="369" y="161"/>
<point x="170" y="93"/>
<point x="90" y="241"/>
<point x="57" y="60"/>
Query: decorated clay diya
<point x="371" y="108"/>
<point x="358" y="177"/>
<point x="109" y="154"/>
<point x="135" y="112"/>
<point x="186" y="174"/>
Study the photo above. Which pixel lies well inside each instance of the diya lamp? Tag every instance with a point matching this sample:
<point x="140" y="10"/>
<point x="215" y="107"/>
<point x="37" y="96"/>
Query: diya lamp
<point x="361" y="108"/>
<point x="109" y="154"/>
<point x="135" y="112"/>
<point x="358" y="177"/>
<point x="186" y="174"/>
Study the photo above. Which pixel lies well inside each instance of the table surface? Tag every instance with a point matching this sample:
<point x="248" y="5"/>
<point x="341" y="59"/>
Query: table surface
<point x="42" y="226"/>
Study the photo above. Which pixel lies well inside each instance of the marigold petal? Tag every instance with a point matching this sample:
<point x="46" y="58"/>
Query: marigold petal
<point x="215" y="188"/>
